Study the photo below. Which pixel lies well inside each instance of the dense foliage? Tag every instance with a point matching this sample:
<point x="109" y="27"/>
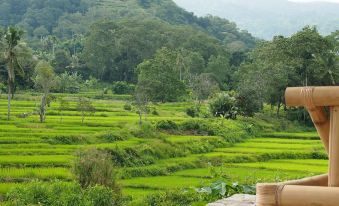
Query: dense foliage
<point x="61" y="193"/>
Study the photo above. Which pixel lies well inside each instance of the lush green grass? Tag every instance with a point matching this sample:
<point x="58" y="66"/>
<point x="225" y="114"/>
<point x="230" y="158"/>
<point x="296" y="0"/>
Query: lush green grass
<point x="290" y="165"/>
<point x="36" y="160"/>
<point x="184" y="139"/>
<point x="303" y="135"/>
<point x="243" y="175"/>
<point x="11" y="174"/>
<point x="164" y="182"/>
<point x="156" y="161"/>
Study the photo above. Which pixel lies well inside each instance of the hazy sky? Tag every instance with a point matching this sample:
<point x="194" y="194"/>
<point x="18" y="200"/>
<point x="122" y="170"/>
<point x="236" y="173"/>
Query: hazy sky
<point x="336" y="1"/>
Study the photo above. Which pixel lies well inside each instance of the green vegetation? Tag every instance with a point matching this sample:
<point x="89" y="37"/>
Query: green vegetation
<point x="174" y="151"/>
<point x="143" y="103"/>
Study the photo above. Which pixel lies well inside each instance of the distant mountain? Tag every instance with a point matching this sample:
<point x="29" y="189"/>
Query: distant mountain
<point x="267" y="18"/>
<point x="67" y="18"/>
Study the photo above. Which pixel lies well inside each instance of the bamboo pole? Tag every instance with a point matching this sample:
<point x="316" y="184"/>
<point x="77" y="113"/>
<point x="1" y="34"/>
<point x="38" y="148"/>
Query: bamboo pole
<point x="322" y="124"/>
<point x="333" y="180"/>
<point x="322" y="96"/>
<point x="317" y="113"/>
<point x="292" y="195"/>
<point x="266" y="193"/>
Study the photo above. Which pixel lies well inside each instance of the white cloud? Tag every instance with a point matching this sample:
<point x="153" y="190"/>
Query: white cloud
<point x="335" y="1"/>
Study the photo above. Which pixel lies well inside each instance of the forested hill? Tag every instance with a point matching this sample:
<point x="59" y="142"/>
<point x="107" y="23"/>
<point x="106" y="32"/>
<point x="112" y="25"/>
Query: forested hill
<point x="268" y="18"/>
<point x="65" y="18"/>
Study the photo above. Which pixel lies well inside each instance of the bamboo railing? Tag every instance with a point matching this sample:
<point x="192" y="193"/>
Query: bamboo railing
<point x="321" y="190"/>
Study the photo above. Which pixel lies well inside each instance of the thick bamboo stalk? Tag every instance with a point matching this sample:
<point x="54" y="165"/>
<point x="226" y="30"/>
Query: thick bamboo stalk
<point x="322" y="124"/>
<point x="266" y="193"/>
<point x="333" y="180"/>
<point x="292" y="195"/>
<point x="322" y="96"/>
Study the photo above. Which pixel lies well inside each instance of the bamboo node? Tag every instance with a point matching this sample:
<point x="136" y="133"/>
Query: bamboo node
<point x="307" y="93"/>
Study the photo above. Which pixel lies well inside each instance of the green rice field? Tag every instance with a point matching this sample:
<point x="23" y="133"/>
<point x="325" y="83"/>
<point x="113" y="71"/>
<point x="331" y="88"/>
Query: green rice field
<point x="30" y="150"/>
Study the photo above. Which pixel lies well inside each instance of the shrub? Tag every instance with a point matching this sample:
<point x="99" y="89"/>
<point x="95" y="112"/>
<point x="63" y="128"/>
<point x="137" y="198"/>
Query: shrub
<point x="166" y="125"/>
<point x="121" y="87"/>
<point x="128" y="106"/>
<point x="154" y="111"/>
<point x="193" y="111"/>
<point x="197" y="127"/>
<point x="68" y="140"/>
<point x="224" y="104"/>
<point x="69" y="82"/>
<point x="220" y="189"/>
<point x="173" y="198"/>
<point x="62" y="193"/>
<point x="114" y="136"/>
<point x="146" y="130"/>
<point x="94" y="167"/>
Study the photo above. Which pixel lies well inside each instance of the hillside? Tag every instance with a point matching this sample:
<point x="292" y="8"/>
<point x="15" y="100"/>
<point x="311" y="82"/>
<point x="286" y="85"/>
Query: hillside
<point x="66" y="18"/>
<point x="266" y="18"/>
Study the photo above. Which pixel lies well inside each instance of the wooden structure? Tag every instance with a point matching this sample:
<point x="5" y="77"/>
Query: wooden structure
<point x="322" y="104"/>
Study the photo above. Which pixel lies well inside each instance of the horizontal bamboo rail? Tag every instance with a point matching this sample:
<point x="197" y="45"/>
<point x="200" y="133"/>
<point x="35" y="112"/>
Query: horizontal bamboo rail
<point x="321" y="190"/>
<point x="266" y="193"/>
<point x="322" y="96"/>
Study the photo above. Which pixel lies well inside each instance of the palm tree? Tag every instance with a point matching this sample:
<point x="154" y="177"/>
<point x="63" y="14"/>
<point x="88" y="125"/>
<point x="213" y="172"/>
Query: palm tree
<point x="12" y="38"/>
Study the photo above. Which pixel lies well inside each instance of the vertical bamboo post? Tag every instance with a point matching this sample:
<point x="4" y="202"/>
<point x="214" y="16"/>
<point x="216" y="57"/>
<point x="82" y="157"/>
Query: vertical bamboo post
<point x="317" y="114"/>
<point x="333" y="175"/>
<point x="322" y="124"/>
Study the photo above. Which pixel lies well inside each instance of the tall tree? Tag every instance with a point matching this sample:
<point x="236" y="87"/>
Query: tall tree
<point x="159" y="77"/>
<point x="12" y="41"/>
<point x="45" y="79"/>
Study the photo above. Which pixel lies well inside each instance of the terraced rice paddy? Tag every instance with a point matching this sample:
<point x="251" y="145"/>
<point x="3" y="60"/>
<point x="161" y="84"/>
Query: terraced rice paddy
<point x="33" y="151"/>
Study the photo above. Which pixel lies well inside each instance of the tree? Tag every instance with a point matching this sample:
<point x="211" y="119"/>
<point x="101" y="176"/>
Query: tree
<point x="141" y="101"/>
<point x="159" y="79"/>
<point x="86" y="108"/>
<point x="61" y="61"/>
<point x="101" y="49"/>
<point x="219" y="66"/>
<point x="69" y="82"/>
<point x="40" y="32"/>
<point x="12" y="41"/>
<point x="63" y="106"/>
<point x="93" y="167"/>
<point x="45" y="79"/>
<point x="204" y="86"/>
<point x="224" y="105"/>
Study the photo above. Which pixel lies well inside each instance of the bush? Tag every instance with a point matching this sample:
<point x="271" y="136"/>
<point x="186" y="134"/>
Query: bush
<point x="173" y="198"/>
<point x="62" y="193"/>
<point x="166" y="125"/>
<point x="193" y="111"/>
<point x="220" y="189"/>
<point x="113" y="136"/>
<point x="128" y="106"/>
<point x="197" y="127"/>
<point x="69" y="82"/>
<point x="121" y="87"/>
<point x="146" y="130"/>
<point x="93" y="167"/>
<point x="67" y="140"/>
<point x="224" y="104"/>
<point x="154" y="111"/>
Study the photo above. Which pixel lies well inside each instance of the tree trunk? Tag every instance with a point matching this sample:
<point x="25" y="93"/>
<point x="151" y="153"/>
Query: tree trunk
<point x="278" y="109"/>
<point x="42" y="112"/>
<point x="9" y="104"/>
<point x="140" y="119"/>
<point x="82" y="117"/>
